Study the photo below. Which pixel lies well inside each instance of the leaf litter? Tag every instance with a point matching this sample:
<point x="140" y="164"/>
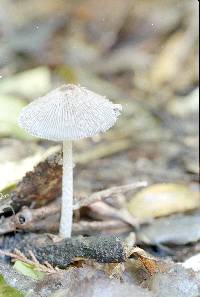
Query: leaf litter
<point x="148" y="62"/>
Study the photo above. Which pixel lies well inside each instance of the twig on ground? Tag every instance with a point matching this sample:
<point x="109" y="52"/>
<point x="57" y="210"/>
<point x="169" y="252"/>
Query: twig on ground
<point x="19" y="256"/>
<point x="46" y="217"/>
<point x="105" y="211"/>
<point x="101" y="195"/>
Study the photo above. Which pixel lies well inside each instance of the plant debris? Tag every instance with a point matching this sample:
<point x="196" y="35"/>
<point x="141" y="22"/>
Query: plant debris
<point x="137" y="185"/>
<point x="65" y="252"/>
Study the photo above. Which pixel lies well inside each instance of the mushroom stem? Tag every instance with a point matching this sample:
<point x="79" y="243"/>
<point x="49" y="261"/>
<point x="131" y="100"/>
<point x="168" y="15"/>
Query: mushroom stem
<point x="67" y="191"/>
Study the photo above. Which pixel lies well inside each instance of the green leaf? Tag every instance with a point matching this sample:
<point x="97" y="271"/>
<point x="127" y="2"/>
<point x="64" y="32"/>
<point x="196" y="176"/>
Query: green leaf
<point x="28" y="270"/>
<point x="7" y="291"/>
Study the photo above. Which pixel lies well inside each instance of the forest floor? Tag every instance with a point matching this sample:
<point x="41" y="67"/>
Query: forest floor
<point x="136" y="186"/>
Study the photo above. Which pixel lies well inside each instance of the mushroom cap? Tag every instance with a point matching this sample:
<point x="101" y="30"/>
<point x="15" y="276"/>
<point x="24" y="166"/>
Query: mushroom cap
<point x="69" y="112"/>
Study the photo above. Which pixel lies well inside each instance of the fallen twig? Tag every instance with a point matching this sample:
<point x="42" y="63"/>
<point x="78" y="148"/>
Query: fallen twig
<point x="46" y="217"/>
<point x="51" y="225"/>
<point x="101" y="249"/>
<point x="19" y="256"/>
<point x="63" y="252"/>
<point x="102" y="195"/>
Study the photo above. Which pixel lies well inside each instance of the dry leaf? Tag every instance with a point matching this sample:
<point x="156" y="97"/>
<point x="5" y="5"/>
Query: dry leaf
<point x="163" y="199"/>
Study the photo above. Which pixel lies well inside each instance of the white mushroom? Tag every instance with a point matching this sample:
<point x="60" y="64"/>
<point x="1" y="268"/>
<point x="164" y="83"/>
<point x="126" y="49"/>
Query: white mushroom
<point x="68" y="113"/>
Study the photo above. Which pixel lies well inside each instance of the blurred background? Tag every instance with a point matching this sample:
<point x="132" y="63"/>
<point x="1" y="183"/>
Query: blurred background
<point x="140" y="53"/>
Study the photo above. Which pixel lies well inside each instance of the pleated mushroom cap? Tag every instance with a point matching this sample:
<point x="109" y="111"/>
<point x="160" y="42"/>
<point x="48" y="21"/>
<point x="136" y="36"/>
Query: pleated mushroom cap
<point x="69" y="112"/>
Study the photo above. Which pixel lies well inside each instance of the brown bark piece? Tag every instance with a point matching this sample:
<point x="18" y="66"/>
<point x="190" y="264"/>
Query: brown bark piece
<point x="103" y="249"/>
<point x="38" y="187"/>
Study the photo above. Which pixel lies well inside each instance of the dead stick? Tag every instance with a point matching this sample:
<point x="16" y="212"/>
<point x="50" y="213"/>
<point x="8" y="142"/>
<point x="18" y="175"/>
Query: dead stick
<point x="29" y="215"/>
<point x="101" y="195"/>
<point x="51" y="225"/>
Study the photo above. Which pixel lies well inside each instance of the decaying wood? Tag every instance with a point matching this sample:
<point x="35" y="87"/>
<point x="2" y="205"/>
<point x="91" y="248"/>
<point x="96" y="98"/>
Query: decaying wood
<point x="48" y="252"/>
<point x="19" y="256"/>
<point x="18" y="240"/>
<point x="99" y="248"/>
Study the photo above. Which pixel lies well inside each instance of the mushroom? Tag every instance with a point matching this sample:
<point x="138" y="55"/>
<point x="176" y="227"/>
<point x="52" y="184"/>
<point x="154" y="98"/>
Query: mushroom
<point x="65" y="114"/>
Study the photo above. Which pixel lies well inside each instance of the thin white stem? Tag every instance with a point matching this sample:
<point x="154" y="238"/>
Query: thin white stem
<point x="67" y="191"/>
